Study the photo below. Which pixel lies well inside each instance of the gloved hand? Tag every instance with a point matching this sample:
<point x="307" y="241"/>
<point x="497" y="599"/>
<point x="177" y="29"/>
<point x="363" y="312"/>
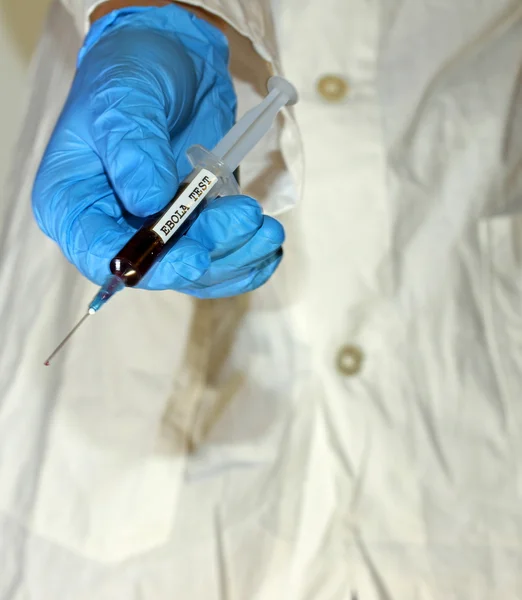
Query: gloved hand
<point x="150" y="83"/>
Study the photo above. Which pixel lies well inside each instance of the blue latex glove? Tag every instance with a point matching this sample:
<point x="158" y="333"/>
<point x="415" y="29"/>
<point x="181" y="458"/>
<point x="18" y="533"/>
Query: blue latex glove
<point x="150" y="83"/>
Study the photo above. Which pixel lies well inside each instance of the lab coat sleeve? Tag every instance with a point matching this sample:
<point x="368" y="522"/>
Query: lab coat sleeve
<point x="251" y="19"/>
<point x="512" y="192"/>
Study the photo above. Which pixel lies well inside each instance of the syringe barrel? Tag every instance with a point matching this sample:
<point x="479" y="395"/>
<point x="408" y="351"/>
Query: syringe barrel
<point x="210" y="178"/>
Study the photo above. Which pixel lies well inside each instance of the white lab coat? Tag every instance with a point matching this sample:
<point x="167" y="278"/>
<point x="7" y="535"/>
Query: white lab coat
<point x="353" y="429"/>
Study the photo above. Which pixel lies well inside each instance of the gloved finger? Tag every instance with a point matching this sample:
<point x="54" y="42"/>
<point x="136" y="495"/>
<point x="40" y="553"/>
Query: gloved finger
<point x="222" y="227"/>
<point x="266" y="241"/>
<point x="213" y="118"/>
<point x="77" y="211"/>
<point x="227" y="224"/>
<point x="248" y="281"/>
<point x="134" y="119"/>
<point x="95" y="237"/>
<point x="185" y="263"/>
<point x="135" y="150"/>
<point x="190" y="260"/>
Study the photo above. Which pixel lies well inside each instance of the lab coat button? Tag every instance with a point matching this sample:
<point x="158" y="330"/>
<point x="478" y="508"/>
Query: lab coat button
<point x="332" y="88"/>
<point x="349" y="360"/>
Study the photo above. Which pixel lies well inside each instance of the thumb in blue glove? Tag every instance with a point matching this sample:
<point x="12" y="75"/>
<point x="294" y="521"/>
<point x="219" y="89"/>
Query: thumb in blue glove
<point x="151" y="82"/>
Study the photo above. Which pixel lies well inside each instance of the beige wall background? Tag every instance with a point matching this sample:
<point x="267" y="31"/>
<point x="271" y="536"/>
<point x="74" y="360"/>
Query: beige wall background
<point x="20" y="26"/>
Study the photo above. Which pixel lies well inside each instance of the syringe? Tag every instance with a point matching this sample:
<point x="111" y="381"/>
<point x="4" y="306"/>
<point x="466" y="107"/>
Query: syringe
<point x="212" y="176"/>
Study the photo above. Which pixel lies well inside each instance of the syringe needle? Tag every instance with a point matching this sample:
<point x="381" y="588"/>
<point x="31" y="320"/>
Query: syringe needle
<point x="48" y="361"/>
<point x="112" y="285"/>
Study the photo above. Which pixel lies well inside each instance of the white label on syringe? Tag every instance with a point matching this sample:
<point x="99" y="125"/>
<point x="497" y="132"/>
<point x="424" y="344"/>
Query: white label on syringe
<point x="178" y="213"/>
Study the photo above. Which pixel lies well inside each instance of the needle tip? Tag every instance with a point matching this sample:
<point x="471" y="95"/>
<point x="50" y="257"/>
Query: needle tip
<point x="48" y="361"/>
